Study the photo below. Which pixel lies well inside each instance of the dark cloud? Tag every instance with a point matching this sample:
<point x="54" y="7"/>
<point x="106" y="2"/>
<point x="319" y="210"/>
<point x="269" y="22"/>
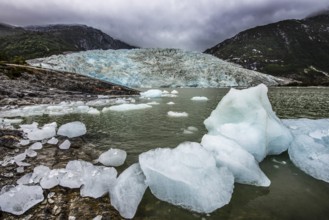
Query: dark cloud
<point x="186" y="24"/>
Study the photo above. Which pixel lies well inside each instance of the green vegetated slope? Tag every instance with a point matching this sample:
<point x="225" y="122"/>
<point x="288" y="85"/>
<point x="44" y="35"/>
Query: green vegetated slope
<point x="297" y="49"/>
<point x="18" y="44"/>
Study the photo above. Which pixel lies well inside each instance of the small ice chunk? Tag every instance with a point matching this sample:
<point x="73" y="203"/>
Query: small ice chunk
<point x="72" y="129"/>
<point x="165" y="92"/>
<point x="31" y="153"/>
<point x="51" y="179"/>
<point x="240" y="162"/>
<point x="26" y="179"/>
<point x="98" y="217"/>
<point x="53" y="140"/>
<point x="22" y="164"/>
<point x="13" y="121"/>
<point x="24" y="142"/>
<point x="192" y="128"/>
<point x="93" y="111"/>
<point x="39" y="172"/>
<point x="20" y="170"/>
<point x="171" y="103"/>
<point x="98" y="181"/>
<point x="36" y="146"/>
<point x="128" y="191"/>
<point x="199" y="98"/>
<point x="126" y="107"/>
<point x="177" y="114"/>
<point x="152" y="93"/>
<point x="65" y="145"/>
<point x="185" y="131"/>
<point x="174" y="92"/>
<point x="41" y="134"/>
<point x="153" y="103"/>
<point x="187" y="176"/>
<point x="75" y="172"/>
<point x="113" y="157"/>
<point x="21" y="198"/>
<point x="20" y="157"/>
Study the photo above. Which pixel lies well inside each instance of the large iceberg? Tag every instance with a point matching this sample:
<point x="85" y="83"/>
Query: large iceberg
<point x="240" y="162"/>
<point x="128" y="191"/>
<point x="156" y="68"/>
<point x="246" y="116"/>
<point x="187" y="176"/>
<point x="310" y="149"/>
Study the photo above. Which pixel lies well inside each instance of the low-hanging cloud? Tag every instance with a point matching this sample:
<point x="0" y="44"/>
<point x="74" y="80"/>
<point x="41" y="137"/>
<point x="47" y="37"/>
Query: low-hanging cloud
<point x="186" y="24"/>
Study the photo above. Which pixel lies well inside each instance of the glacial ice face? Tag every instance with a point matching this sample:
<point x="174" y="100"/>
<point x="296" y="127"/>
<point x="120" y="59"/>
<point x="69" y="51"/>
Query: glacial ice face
<point x="19" y="199"/>
<point x="113" y="157"/>
<point x="72" y="129"/>
<point x="187" y="176"/>
<point x="156" y="68"/>
<point x="128" y="191"/>
<point x="241" y="163"/>
<point x="310" y="149"/>
<point x="246" y="116"/>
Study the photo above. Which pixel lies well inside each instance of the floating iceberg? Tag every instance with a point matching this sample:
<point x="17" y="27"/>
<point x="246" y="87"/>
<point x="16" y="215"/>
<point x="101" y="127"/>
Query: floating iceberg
<point x="152" y="93"/>
<point x="310" y="149"/>
<point x="128" y="191"/>
<point x="177" y="114"/>
<point x="171" y="103"/>
<point x="199" y="98"/>
<point x="187" y="176"/>
<point x="240" y="162"/>
<point x="174" y="92"/>
<point x="246" y="116"/>
<point x="19" y="199"/>
<point x="126" y="107"/>
<point x="72" y="129"/>
<point x="41" y="134"/>
<point x="113" y="157"/>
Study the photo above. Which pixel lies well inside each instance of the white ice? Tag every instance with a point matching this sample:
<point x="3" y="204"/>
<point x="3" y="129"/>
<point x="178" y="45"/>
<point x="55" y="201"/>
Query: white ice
<point x="128" y="191"/>
<point x="126" y="107"/>
<point x="65" y="145"/>
<point x="240" y="162"/>
<point x="113" y="157"/>
<point x="199" y="98"/>
<point x="310" y="149"/>
<point x="36" y="146"/>
<point x="19" y="199"/>
<point x="72" y="129"/>
<point x="171" y="103"/>
<point x="53" y="141"/>
<point x="36" y="134"/>
<point x="246" y="116"/>
<point x="152" y="93"/>
<point x="174" y="92"/>
<point x="187" y="176"/>
<point x="177" y="114"/>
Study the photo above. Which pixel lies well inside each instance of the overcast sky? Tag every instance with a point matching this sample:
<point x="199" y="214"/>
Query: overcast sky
<point x="186" y="24"/>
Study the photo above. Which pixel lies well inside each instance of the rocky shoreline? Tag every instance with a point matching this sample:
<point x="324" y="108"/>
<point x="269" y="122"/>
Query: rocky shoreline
<point x="22" y="86"/>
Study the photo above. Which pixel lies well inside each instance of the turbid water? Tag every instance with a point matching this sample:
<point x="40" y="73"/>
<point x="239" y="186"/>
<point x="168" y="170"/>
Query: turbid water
<point x="292" y="194"/>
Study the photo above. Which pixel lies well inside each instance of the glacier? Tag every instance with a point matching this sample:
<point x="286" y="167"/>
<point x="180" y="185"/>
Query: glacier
<point x="155" y="68"/>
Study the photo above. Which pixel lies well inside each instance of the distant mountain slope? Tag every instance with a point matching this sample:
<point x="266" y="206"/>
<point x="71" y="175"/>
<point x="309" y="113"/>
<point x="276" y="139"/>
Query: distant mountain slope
<point x="6" y="29"/>
<point x="40" y="41"/>
<point x="298" y="49"/>
<point x="151" y="68"/>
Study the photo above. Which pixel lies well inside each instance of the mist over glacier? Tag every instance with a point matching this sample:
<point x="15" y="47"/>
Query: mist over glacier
<point x="151" y="68"/>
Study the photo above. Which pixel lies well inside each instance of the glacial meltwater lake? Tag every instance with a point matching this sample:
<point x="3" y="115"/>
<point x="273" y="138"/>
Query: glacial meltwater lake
<point x="291" y="195"/>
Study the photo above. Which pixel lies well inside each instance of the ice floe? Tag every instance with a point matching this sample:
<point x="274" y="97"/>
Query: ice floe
<point x="187" y="176"/>
<point x="199" y="98"/>
<point x="310" y="149"/>
<point x="171" y="103"/>
<point x="152" y="93"/>
<point x="126" y="107"/>
<point x="177" y="114"/>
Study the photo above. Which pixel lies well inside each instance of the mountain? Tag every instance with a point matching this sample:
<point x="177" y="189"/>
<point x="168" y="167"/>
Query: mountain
<point x="297" y="49"/>
<point x="151" y="68"/>
<point x="40" y="41"/>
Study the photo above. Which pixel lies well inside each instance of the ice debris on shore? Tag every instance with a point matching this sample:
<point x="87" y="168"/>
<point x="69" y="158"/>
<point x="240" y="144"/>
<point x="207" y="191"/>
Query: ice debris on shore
<point x="72" y="129"/>
<point x="113" y="157"/>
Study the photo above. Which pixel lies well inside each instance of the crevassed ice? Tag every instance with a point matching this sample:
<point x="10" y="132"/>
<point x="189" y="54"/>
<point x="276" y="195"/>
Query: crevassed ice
<point x="187" y="176"/>
<point x="156" y="68"/>
<point x="246" y="116"/>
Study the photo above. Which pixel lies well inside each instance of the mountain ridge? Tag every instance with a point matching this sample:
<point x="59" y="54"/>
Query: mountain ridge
<point x="296" y="49"/>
